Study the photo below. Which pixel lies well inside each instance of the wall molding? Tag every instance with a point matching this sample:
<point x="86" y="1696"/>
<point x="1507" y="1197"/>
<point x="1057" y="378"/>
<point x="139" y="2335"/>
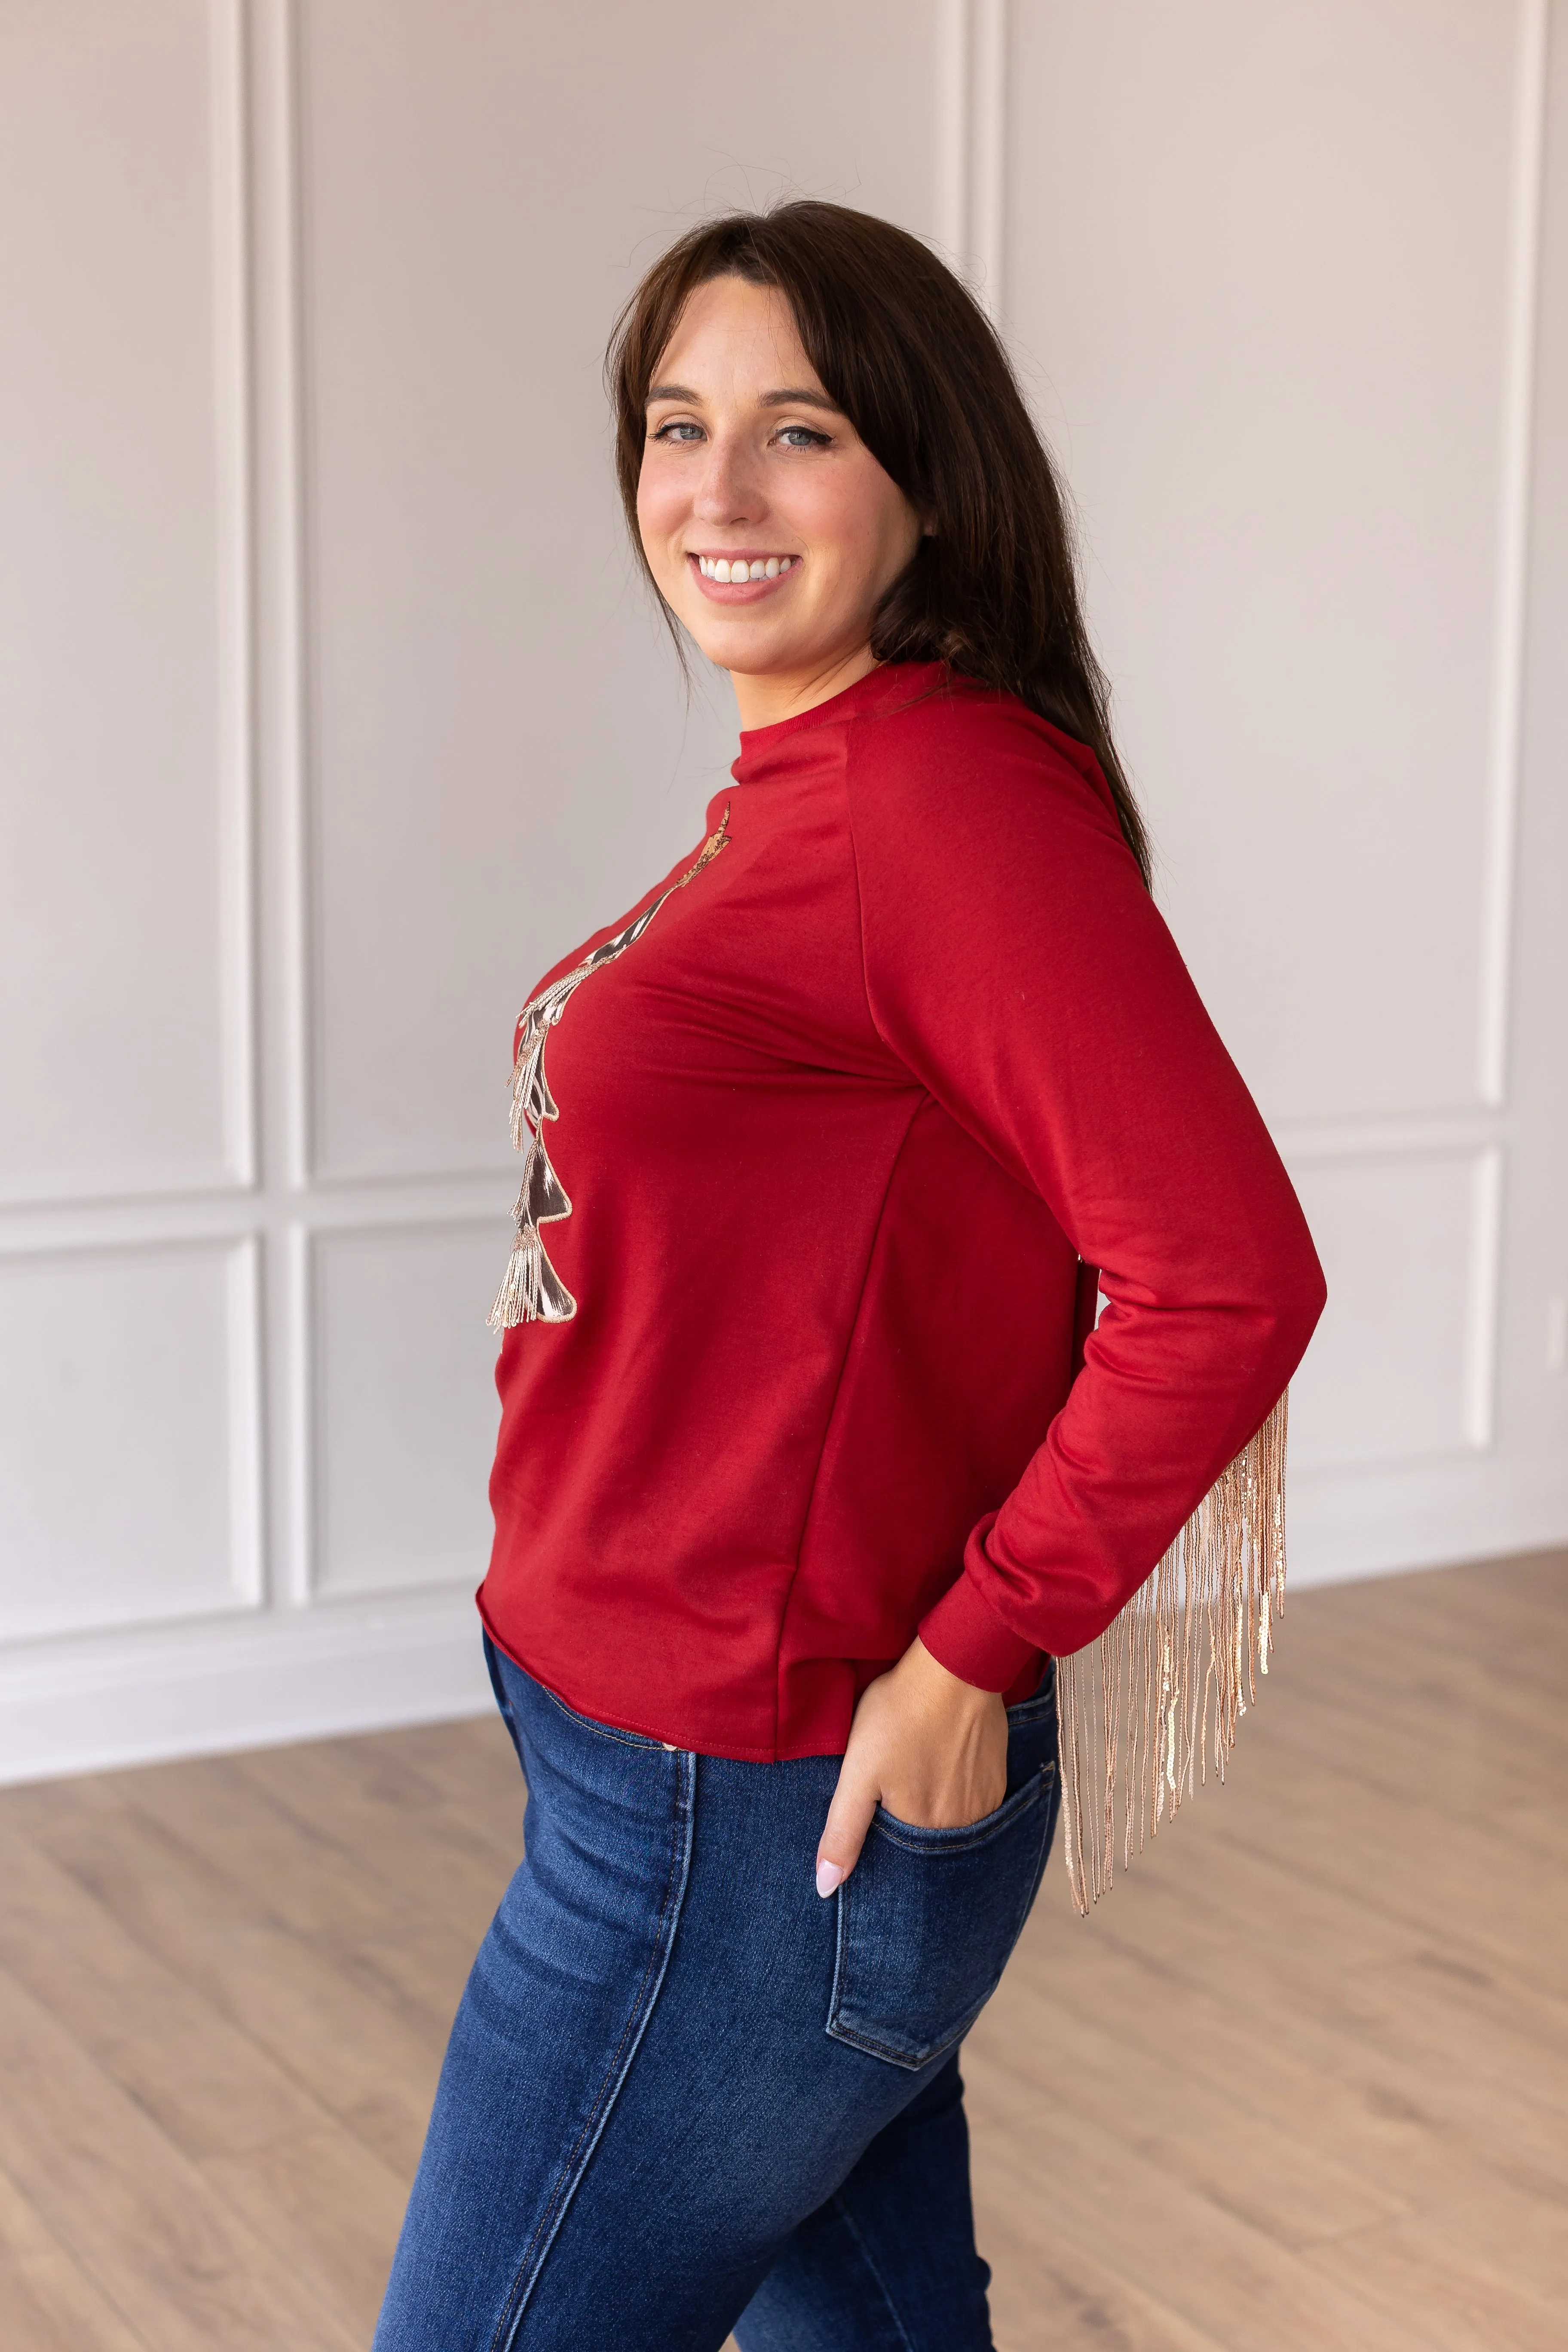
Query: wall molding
<point x="1414" y="1134"/>
<point x="296" y="1468"/>
<point x="229" y="109"/>
<point x="280" y="213"/>
<point x="970" y="67"/>
<point x="1505" y="731"/>
<point x="247" y="1425"/>
<point x="218" y="1215"/>
<point x="1484" y="1296"/>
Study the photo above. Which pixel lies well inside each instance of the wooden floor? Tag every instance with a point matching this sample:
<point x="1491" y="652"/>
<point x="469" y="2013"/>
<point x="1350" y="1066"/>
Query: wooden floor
<point x="1299" y="2085"/>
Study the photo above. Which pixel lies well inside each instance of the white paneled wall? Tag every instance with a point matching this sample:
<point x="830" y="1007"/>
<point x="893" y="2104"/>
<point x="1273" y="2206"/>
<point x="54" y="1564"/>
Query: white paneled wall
<point x="330" y="713"/>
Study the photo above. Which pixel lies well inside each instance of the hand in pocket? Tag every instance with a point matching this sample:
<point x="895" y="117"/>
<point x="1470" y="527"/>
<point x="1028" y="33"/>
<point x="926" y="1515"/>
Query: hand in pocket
<point x="928" y="1748"/>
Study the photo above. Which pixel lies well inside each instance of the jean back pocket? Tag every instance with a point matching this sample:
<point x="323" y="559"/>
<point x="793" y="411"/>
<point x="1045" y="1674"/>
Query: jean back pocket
<point x="926" y="1919"/>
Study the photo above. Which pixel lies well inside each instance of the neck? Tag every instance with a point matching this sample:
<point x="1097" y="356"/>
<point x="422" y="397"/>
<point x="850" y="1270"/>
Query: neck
<point x="763" y="698"/>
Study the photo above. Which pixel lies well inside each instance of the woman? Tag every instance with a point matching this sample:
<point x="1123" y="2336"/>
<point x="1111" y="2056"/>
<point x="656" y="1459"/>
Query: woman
<point x="797" y="1495"/>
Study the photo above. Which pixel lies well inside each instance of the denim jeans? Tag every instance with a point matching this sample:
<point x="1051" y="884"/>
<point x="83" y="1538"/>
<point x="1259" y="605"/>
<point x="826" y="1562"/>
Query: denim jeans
<point x="683" y="2093"/>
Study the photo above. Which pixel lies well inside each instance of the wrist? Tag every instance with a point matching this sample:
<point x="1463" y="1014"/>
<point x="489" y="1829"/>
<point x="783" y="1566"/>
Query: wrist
<point x="952" y="1690"/>
<point x="971" y="1640"/>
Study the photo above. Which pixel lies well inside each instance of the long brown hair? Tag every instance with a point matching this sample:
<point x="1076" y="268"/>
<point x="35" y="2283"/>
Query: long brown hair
<point x="915" y="364"/>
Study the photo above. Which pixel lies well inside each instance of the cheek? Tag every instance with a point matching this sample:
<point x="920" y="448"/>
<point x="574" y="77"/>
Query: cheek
<point x="661" y="507"/>
<point x="853" y="515"/>
<point x="890" y="526"/>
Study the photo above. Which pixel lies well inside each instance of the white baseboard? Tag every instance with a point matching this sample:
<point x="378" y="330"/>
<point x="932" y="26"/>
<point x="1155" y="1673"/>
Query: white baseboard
<point x="1385" y="1522"/>
<point x="142" y="1696"/>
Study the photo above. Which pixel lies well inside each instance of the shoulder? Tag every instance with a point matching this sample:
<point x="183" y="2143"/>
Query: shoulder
<point x="957" y="773"/>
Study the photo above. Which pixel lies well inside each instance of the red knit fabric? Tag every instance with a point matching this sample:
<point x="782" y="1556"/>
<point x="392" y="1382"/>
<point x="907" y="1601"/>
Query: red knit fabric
<point x="838" y="1130"/>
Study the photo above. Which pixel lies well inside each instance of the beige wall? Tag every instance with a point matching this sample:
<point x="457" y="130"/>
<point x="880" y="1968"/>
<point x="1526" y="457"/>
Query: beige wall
<point x="330" y="713"/>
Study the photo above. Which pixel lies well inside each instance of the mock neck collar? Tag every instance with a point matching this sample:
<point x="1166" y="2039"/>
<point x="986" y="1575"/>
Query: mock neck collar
<point x="889" y="686"/>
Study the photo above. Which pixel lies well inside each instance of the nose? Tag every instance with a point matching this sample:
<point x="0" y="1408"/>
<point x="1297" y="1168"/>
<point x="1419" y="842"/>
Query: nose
<point x="730" y="490"/>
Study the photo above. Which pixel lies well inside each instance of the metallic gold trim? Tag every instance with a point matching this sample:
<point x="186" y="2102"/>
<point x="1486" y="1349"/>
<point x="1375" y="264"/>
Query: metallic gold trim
<point x="532" y="1291"/>
<point x="1142" y="1709"/>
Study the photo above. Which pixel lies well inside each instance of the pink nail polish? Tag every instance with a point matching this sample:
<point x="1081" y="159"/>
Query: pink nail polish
<point x="827" y="1877"/>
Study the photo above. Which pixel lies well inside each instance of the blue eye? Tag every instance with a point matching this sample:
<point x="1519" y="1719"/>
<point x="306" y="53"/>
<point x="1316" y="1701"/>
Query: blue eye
<point x="801" y="436"/>
<point x="679" y="429"/>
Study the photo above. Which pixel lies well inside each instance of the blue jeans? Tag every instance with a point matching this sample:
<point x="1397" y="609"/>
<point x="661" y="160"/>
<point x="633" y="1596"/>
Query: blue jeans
<point x="683" y="2094"/>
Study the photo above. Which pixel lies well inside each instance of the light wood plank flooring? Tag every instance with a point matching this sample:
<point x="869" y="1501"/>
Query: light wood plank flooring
<point x="1299" y="2085"/>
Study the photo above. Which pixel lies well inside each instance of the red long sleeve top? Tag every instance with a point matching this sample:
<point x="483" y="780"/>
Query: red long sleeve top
<point x="830" y="1143"/>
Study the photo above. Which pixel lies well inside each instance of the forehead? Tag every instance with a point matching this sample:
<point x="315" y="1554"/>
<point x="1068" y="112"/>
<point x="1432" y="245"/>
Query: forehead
<point x="734" y="336"/>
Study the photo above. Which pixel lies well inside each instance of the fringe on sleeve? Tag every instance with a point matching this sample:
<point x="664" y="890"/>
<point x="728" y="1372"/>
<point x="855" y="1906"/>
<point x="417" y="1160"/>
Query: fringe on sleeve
<point x="1148" y="1709"/>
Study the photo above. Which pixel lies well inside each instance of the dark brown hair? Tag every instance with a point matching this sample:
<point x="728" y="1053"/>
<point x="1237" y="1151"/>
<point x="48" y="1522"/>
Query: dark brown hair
<point x="915" y="364"/>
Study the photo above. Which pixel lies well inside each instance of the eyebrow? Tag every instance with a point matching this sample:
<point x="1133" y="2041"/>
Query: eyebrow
<point x="790" y="397"/>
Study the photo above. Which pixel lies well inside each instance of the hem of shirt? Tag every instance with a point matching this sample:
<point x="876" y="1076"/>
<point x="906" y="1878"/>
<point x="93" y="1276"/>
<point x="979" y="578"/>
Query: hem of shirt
<point x="724" y="1751"/>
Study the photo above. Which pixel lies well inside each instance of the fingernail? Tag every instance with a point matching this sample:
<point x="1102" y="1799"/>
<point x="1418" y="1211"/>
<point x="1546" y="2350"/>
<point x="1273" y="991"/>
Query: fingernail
<point x="828" y="1875"/>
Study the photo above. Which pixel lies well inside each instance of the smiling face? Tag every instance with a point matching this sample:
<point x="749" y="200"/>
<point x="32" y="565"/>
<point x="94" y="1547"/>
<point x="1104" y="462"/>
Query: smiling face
<point x="770" y="529"/>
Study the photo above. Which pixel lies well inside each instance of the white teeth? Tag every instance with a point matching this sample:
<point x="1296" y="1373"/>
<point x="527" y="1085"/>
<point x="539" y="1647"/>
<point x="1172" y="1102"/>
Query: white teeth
<point x="720" y="568"/>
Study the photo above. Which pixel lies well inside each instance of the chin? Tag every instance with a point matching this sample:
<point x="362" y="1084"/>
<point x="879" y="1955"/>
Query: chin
<point x="735" y="649"/>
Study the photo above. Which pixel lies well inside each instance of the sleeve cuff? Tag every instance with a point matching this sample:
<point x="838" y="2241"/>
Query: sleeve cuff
<point x="965" y="1634"/>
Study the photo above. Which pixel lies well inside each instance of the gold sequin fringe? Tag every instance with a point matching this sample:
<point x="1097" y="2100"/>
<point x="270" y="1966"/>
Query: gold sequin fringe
<point x="1148" y="1708"/>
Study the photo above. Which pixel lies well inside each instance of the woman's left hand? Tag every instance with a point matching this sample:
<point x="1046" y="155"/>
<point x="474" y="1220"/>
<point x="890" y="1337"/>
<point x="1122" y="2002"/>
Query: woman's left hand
<point x="930" y="1747"/>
